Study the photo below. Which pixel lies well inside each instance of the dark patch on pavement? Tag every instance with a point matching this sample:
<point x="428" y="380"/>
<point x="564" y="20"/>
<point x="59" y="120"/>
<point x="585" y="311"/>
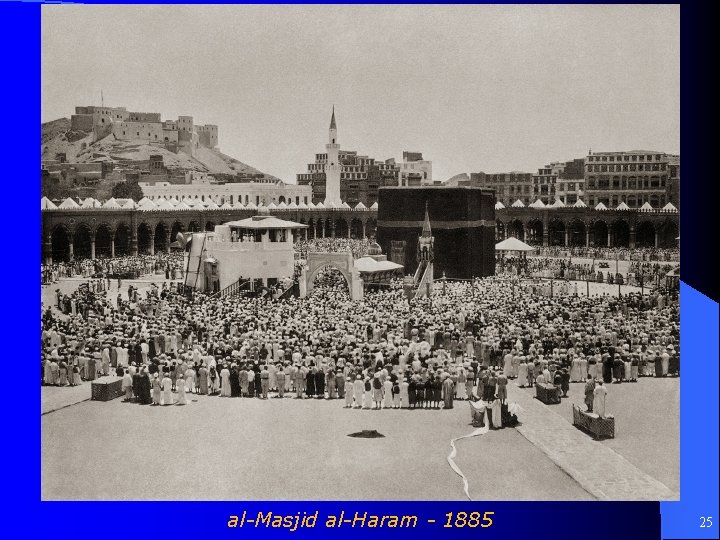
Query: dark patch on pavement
<point x="367" y="434"/>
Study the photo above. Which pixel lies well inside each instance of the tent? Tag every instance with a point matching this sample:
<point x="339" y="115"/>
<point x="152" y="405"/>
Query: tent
<point x="69" y="203"/>
<point x="670" y="207"/>
<point x="374" y="206"/>
<point x="499" y="205"/>
<point x="518" y="204"/>
<point x="292" y="205"/>
<point x="646" y="207"/>
<point x="513" y="244"/>
<point x="622" y="206"/>
<point x="360" y="206"/>
<point x="111" y="203"/>
<point x="182" y="206"/>
<point x="227" y="206"/>
<point x="537" y="204"/>
<point x="173" y="201"/>
<point x="600" y="206"/>
<point x="90" y="203"/>
<point x="47" y="204"/>
<point x="251" y="206"/>
<point x="302" y="205"/>
<point x="579" y="204"/>
<point x="557" y="204"/>
<point x="320" y="205"/>
<point x="146" y="204"/>
<point x="164" y="204"/>
<point x="211" y="205"/>
<point x="345" y="205"/>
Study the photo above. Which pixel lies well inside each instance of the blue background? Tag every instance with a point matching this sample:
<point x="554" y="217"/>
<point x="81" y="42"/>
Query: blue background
<point x="28" y="516"/>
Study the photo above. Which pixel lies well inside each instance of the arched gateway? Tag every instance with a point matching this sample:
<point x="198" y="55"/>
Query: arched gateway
<point x="343" y="262"/>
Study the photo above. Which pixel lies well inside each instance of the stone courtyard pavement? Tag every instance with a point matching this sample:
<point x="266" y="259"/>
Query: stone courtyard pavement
<point x="595" y="465"/>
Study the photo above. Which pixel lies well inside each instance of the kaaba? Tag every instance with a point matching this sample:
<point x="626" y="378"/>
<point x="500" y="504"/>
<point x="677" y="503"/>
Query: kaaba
<point x="462" y="220"/>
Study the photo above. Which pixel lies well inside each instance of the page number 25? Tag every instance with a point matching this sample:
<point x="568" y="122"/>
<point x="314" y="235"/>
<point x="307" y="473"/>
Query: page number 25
<point x="705" y="522"/>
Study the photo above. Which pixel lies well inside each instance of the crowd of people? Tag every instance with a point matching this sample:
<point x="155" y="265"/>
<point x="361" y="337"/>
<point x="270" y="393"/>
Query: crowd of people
<point x="358" y="247"/>
<point x="605" y="253"/>
<point x="647" y="274"/>
<point x="127" y="267"/>
<point x="465" y="342"/>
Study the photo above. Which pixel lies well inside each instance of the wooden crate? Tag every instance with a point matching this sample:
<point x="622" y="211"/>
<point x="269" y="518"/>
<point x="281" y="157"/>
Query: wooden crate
<point x="106" y="388"/>
<point x="599" y="428"/>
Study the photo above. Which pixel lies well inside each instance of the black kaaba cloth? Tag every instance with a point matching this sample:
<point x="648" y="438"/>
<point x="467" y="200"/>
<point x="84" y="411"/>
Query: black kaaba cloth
<point x="462" y="221"/>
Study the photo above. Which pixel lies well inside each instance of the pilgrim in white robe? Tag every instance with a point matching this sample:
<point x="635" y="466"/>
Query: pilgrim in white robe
<point x="167" y="398"/>
<point x="599" y="400"/>
<point x="522" y="374"/>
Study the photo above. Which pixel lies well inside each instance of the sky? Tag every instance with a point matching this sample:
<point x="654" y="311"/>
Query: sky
<point x="474" y="88"/>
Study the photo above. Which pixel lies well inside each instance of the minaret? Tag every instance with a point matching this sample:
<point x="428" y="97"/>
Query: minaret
<point x="333" y="168"/>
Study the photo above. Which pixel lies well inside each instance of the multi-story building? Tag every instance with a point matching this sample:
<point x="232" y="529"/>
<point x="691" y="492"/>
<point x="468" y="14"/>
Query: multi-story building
<point x="414" y="170"/>
<point x="571" y="182"/>
<point x="228" y="193"/>
<point x="544" y="183"/>
<point x="360" y="177"/>
<point x="673" y="188"/>
<point x="509" y="187"/>
<point x="635" y="178"/>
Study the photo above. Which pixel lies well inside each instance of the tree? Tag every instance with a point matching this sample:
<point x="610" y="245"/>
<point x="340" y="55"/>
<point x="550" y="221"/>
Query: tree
<point x="127" y="190"/>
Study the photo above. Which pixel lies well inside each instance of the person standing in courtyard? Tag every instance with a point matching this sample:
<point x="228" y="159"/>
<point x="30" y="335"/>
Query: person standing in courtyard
<point x="156" y="390"/>
<point x="589" y="393"/>
<point x="600" y="394"/>
<point x="448" y="392"/>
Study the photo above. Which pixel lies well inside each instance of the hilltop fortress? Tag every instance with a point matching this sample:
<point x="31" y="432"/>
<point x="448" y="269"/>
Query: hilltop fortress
<point x="175" y="135"/>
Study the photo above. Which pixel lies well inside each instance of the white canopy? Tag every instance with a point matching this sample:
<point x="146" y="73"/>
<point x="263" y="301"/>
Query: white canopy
<point x="292" y="205"/>
<point x="265" y="222"/>
<point x="227" y="206"/>
<point x="272" y="205"/>
<point x="368" y="264"/>
<point x="646" y="207"/>
<point x="345" y="205"/>
<point x="670" y="207"/>
<point x="211" y="205"/>
<point x="282" y="205"/>
<point x="126" y="203"/>
<point x="557" y="204"/>
<point x="302" y="205"/>
<point x="320" y="205"/>
<point x="69" y="203"/>
<point x="111" y="203"/>
<point x="513" y="244"/>
<point x="537" y="204"/>
<point x="622" y="206"/>
<point x="600" y="206"/>
<point x="251" y="206"/>
<point x="374" y="206"/>
<point x="311" y="204"/>
<point x="47" y="204"/>
<point x="518" y="204"/>
<point x="580" y="204"/>
<point x="173" y="201"/>
<point x="360" y="206"/>
<point x="182" y="206"/>
<point x="499" y="205"/>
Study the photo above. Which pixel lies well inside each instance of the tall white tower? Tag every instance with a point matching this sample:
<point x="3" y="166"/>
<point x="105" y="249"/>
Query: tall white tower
<point x="333" y="168"/>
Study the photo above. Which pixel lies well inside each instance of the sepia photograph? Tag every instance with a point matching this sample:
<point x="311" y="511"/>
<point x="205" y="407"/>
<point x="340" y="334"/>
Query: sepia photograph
<point x="360" y="252"/>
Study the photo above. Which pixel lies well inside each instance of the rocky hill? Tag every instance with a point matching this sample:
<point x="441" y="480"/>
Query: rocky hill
<point x="78" y="147"/>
